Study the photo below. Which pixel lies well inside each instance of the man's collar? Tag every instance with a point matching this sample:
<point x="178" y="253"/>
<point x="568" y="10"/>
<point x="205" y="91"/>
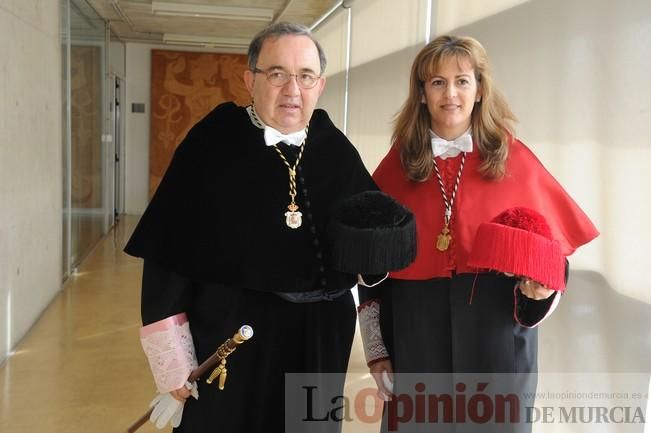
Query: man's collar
<point x="271" y="135"/>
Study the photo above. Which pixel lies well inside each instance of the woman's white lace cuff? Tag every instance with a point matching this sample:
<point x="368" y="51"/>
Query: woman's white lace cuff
<point x="369" y="325"/>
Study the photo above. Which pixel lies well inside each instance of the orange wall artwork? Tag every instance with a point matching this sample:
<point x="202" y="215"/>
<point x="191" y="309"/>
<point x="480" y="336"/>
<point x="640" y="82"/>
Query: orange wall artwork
<point x="185" y="86"/>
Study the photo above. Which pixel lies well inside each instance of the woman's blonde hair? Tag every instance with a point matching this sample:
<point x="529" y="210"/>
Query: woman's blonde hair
<point x="491" y="118"/>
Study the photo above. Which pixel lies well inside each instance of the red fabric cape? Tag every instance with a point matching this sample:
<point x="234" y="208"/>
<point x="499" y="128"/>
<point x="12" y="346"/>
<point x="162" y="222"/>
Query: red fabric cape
<point x="526" y="183"/>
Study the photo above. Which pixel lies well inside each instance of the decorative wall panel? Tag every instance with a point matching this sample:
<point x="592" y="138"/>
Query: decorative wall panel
<point x="185" y="86"/>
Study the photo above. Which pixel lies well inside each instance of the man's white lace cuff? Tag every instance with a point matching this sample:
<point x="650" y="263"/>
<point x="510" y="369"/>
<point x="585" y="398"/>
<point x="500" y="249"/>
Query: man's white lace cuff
<point x="170" y="351"/>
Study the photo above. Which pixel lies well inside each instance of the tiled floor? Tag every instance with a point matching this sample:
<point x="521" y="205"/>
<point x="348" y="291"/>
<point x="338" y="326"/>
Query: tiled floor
<point x="81" y="368"/>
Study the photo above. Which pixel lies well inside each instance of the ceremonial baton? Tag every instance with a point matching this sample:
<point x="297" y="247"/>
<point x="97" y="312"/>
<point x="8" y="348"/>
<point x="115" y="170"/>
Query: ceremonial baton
<point x="216" y="359"/>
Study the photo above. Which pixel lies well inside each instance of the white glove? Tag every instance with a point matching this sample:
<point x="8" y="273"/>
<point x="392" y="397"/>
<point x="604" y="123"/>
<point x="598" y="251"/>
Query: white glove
<point x="167" y="409"/>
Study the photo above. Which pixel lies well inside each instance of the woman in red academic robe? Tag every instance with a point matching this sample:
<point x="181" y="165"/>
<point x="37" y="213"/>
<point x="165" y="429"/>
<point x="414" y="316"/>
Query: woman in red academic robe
<point x="456" y="164"/>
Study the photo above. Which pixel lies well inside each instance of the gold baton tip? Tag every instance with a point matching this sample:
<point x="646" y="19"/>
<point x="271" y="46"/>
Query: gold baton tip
<point x="245" y="332"/>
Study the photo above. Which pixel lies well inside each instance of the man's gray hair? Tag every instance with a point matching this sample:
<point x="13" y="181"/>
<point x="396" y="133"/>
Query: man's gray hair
<point x="277" y="30"/>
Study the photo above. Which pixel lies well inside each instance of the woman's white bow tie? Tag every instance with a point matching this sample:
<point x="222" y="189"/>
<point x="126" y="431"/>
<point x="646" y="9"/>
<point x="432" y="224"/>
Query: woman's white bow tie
<point x="449" y="149"/>
<point x="273" y="136"/>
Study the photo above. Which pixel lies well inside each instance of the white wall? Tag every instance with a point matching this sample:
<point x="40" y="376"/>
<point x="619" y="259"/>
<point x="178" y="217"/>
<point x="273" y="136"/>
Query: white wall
<point x="332" y="36"/>
<point x="117" y="59"/>
<point x="136" y="144"/>
<point x="30" y="164"/>
<point x="385" y="37"/>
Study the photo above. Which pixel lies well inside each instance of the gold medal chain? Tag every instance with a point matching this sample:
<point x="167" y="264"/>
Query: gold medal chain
<point x="443" y="239"/>
<point x="292" y="172"/>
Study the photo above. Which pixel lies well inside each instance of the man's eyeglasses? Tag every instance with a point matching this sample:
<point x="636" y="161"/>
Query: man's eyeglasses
<point x="279" y="78"/>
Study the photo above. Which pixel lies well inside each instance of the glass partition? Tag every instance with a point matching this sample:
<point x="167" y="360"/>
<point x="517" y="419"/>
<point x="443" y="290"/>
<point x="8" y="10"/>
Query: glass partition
<point x="65" y="129"/>
<point x="88" y="174"/>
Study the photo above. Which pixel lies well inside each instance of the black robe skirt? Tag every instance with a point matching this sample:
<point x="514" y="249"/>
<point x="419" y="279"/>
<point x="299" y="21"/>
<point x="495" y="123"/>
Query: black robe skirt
<point x="309" y="341"/>
<point x="446" y="336"/>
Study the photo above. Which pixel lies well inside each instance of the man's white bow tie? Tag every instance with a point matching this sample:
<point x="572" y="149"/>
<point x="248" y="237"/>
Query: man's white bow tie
<point x="273" y="136"/>
<point x="449" y="149"/>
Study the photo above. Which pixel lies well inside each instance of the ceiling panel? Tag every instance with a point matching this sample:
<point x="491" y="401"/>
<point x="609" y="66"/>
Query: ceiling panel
<point x="133" y="20"/>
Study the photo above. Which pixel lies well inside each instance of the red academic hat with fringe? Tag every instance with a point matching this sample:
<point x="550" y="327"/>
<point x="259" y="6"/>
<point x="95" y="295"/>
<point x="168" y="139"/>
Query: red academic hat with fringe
<point x="519" y="241"/>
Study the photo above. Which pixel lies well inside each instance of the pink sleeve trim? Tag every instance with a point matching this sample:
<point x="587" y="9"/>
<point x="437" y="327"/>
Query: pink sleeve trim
<point x="164" y="324"/>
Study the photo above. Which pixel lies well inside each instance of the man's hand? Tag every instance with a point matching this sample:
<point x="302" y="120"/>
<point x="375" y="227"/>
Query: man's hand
<point x="168" y="407"/>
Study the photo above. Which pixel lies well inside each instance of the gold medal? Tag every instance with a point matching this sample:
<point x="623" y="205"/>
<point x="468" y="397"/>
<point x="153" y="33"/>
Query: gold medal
<point x="293" y="218"/>
<point x="443" y="240"/>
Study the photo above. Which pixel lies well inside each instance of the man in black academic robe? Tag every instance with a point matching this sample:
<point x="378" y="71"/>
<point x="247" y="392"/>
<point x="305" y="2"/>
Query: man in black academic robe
<point x="218" y="245"/>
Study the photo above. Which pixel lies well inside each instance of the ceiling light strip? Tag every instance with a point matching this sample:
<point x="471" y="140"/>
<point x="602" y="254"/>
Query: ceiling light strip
<point x="212" y="11"/>
<point x="172" y="38"/>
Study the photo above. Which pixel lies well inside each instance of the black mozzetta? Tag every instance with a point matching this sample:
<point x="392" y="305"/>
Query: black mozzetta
<point x="218" y="215"/>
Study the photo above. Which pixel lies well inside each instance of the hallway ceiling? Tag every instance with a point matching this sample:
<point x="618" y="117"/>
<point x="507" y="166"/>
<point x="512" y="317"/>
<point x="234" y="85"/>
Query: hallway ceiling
<point x="203" y="22"/>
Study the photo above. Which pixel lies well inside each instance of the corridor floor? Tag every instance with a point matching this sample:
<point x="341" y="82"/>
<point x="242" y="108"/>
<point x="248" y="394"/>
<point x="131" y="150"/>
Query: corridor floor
<point x="80" y="369"/>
